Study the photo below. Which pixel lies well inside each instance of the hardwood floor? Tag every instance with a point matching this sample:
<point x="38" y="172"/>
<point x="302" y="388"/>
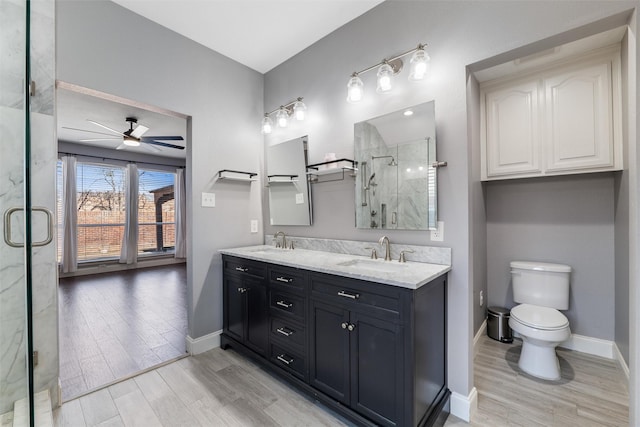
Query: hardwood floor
<point x="113" y="325"/>
<point x="222" y="388"/>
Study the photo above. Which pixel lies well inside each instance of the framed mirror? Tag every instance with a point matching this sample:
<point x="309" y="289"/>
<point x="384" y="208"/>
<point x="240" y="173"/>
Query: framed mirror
<point x="289" y="189"/>
<point x="396" y="183"/>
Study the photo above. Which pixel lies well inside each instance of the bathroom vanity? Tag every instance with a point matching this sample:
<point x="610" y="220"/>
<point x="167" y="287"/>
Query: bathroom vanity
<point x="365" y="337"/>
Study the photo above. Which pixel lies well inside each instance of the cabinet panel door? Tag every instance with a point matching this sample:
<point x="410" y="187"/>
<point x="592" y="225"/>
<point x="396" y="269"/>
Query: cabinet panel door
<point x="377" y="369"/>
<point x="578" y="119"/>
<point x="330" y="350"/>
<point x="257" y="333"/>
<point x="512" y="130"/>
<point x="234" y="307"/>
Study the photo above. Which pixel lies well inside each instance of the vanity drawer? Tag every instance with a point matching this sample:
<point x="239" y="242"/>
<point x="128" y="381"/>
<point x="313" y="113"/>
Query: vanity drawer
<point x="287" y="304"/>
<point x="244" y="266"/>
<point x="292" y="279"/>
<point x="288" y="333"/>
<point x="289" y="361"/>
<point x="357" y="293"/>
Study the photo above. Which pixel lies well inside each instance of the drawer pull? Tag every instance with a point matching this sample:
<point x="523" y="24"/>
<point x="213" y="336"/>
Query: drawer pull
<point x="288" y="361"/>
<point x="242" y="269"/>
<point x="285" y="331"/>
<point x="348" y="295"/>
<point x="284" y="279"/>
<point x="284" y="304"/>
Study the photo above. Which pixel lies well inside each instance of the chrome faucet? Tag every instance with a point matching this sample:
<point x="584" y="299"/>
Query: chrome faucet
<point x="384" y="240"/>
<point x="284" y="239"/>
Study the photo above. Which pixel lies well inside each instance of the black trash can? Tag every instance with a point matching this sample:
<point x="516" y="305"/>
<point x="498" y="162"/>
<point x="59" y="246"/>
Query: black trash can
<point x="498" y="324"/>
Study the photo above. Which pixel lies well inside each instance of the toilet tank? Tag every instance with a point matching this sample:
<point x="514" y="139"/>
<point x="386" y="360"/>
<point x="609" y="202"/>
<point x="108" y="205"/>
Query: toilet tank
<point x="541" y="283"/>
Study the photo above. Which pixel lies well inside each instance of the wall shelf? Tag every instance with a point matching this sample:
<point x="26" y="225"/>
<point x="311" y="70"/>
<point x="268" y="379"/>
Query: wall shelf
<point x="333" y="167"/>
<point x="282" y="179"/>
<point x="232" y="175"/>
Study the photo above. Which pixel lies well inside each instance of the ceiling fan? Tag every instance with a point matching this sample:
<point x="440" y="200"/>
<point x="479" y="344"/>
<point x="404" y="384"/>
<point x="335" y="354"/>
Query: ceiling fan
<point x="132" y="137"/>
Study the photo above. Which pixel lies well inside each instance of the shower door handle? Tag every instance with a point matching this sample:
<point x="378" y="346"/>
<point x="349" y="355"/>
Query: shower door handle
<point x="7" y="227"/>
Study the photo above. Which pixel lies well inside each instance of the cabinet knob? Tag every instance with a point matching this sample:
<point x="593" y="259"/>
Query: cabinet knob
<point x="351" y="327"/>
<point x="242" y="290"/>
<point x="344" y="325"/>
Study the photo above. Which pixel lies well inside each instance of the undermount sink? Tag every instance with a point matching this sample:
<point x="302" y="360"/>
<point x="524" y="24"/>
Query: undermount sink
<point x="263" y="251"/>
<point x="374" y="265"/>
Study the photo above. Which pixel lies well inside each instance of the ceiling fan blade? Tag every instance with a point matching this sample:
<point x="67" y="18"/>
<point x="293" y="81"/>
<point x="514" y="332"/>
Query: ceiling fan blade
<point x="84" y="130"/>
<point x="121" y="146"/>
<point x="163" y="138"/>
<point x="162" y="144"/>
<point x="99" y="139"/>
<point x="151" y="148"/>
<point x="139" y="131"/>
<point x="106" y="127"/>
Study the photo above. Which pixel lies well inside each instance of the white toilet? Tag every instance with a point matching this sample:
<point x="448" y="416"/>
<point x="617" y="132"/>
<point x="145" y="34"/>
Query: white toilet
<point x="541" y="289"/>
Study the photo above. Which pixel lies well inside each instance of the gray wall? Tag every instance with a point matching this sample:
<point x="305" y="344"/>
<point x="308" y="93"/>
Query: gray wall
<point x="458" y="34"/>
<point x="566" y="220"/>
<point x="103" y="46"/>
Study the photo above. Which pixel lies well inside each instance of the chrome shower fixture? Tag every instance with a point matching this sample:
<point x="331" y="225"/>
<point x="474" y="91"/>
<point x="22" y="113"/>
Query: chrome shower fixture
<point x="391" y="163"/>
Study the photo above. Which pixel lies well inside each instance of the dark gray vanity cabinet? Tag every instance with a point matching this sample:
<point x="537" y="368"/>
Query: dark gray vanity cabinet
<point x="244" y="292"/>
<point x="374" y="353"/>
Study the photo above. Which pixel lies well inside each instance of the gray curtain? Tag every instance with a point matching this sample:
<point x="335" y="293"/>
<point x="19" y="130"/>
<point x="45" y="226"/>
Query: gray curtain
<point x="129" y="250"/>
<point x="180" y="191"/>
<point x="69" y="215"/>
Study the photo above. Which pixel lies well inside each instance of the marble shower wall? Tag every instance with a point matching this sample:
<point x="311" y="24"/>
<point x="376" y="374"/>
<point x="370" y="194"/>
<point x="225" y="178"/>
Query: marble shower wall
<point x="13" y="381"/>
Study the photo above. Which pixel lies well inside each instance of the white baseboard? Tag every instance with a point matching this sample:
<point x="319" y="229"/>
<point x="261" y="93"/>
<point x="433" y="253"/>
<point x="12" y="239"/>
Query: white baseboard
<point x="589" y="345"/>
<point x="482" y="331"/>
<point x="464" y="407"/>
<point x="623" y="364"/>
<point x="203" y="343"/>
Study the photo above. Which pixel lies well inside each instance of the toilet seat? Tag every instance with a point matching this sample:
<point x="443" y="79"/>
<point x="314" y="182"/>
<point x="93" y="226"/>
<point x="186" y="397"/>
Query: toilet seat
<point x="540" y="318"/>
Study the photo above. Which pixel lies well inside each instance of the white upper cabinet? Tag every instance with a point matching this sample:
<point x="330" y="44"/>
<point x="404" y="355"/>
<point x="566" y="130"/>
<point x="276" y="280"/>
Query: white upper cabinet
<point x="563" y="119"/>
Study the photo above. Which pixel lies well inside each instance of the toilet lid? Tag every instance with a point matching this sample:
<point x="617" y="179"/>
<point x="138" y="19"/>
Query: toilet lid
<point x="539" y="317"/>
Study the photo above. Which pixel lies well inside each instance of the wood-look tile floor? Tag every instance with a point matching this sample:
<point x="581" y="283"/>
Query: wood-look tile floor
<point x="222" y="388"/>
<point x="592" y="391"/>
<point x="113" y="325"/>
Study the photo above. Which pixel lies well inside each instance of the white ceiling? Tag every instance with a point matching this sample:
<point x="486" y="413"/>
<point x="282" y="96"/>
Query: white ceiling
<point x="260" y="34"/>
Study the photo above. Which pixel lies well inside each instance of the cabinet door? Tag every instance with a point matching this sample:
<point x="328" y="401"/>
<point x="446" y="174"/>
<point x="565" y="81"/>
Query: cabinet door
<point x="578" y="117"/>
<point x="330" y="350"/>
<point x="234" y="308"/>
<point x="257" y="332"/>
<point x="512" y="136"/>
<point x="377" y="369"/>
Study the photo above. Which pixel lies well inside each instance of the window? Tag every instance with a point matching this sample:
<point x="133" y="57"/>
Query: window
<point x="156" y="212"/>
<point x="101" y="210"/>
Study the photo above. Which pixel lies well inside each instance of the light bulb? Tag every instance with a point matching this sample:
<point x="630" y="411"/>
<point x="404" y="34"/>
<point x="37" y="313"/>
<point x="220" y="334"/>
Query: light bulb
<point x="131" y="142"/>
<point x="299" y="109"/>
<point x="419" y="65"/>
<point x="385" y="78"/>
<point x="354" y="89"/>
<point x="282" y="117"/>
<point x="267" y="125"/>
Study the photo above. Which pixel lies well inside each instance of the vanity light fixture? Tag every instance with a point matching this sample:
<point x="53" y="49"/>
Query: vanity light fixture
<point x="294" y="108"/>
<point x="387" y="69"/>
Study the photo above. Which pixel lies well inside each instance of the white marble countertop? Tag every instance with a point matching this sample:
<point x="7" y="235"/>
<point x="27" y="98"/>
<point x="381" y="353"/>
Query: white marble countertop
<point x="409" y="275"/>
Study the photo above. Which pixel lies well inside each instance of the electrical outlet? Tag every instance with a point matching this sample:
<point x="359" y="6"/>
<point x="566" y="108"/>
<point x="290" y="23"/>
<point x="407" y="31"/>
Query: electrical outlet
<point x="208" y="200"/>
<point x="299" y="198"/>
<point x="438" y="235"/>
<point x="481" y="298"/>
<point x="254" y="225"/>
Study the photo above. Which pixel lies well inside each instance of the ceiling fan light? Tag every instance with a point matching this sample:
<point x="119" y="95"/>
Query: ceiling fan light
<point x="299" y="109"/>
<point x="385" y="78"/>
<point x="131" y="142"/>
<point x="355" y="89"/>
<point x="419" y="65"/>
<point x="267" y="125"/>
<point x="282" y="117"/>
